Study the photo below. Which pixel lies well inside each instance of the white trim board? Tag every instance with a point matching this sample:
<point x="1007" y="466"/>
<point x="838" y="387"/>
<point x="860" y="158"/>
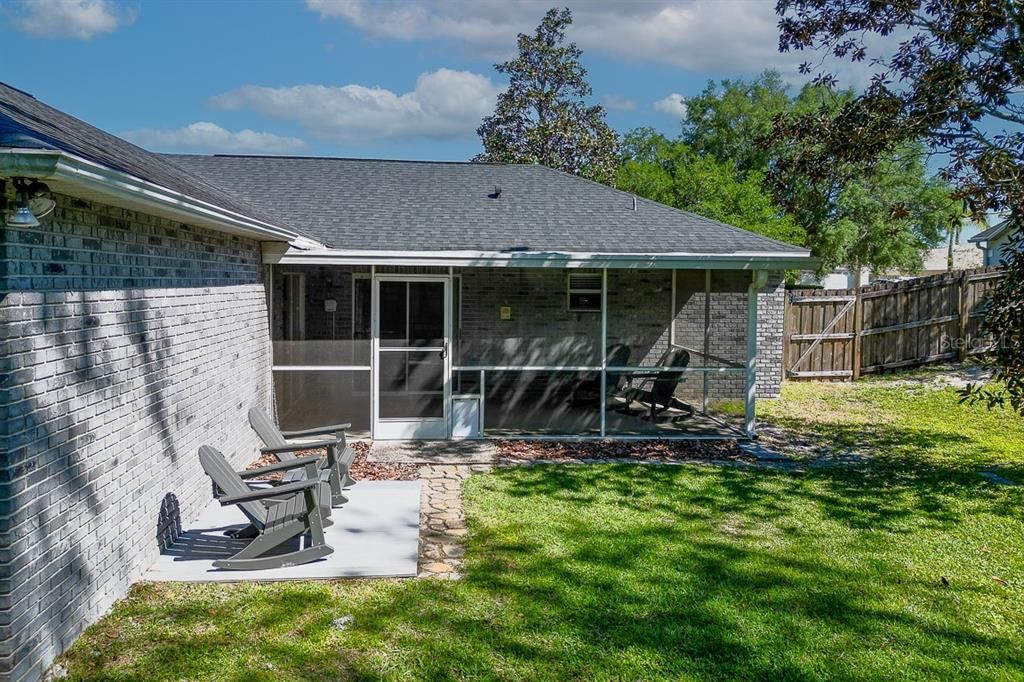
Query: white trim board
<point x="796" y="259"/>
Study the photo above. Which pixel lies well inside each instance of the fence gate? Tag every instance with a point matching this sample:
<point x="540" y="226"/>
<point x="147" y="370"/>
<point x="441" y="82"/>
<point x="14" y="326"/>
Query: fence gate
<point x="841" y="334"/>
<point x="820" y="335"/>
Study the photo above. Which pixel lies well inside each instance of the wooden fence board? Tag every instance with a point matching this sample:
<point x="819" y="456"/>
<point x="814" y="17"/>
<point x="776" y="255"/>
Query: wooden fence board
<point x="843" y="334"/>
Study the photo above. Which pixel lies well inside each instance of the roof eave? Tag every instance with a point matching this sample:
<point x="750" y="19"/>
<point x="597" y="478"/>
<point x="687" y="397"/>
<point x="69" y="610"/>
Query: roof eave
<point x="795" y="260"/>
<point x="67" y="173"/>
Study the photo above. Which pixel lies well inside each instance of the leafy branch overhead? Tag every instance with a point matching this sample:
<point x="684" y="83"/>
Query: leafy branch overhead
<point x="880" y="217"/>
<point x="543" y="117"/>
<point x="956" y="82"/>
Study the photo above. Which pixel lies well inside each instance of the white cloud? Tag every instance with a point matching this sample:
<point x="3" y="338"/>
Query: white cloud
<point x="674" y="105"/>
<point x="716" y="36"/>
<point x="82" y="19"/>
<point x="204" y="136"/>
<point x="444" y="104"/>
<point x="617" y="103"/>
<point x="701" y="35"/>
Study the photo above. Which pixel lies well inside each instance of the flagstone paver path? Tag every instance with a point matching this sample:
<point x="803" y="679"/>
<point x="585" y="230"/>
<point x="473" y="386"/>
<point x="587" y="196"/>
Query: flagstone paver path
<point x="442" y="523"/>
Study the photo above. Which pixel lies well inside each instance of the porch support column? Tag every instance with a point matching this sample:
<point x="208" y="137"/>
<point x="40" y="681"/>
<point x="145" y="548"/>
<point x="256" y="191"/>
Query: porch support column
<point x="604" y="345"/>
<point x="707" y="338"/>
<point x="757" y="282"/>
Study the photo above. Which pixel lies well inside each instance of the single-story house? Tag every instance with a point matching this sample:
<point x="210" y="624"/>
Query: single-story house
<point x="993" y="242"/>
<point x="156" y="298"/>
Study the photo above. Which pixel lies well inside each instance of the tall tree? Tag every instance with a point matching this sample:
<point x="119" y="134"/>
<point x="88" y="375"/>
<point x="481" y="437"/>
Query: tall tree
<point x="671" y="172"/>
<point x="543" y="116"/>
<point x="880" y="217"/>
<point x="956" y="81"/>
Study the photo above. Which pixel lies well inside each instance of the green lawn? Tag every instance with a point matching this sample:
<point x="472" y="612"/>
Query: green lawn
<point x="907" y="566"/>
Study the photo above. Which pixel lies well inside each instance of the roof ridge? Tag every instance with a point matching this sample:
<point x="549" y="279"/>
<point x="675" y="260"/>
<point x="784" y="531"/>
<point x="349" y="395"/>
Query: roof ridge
<point x="313" y="157"/>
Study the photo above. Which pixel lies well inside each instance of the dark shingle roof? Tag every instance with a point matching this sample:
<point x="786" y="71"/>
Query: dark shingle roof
<point x="364" y="204"/>
<point x="27" y="123"/>
<point x="991" y="233"/>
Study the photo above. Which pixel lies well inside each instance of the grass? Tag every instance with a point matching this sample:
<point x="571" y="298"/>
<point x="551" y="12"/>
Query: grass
<point x="908" y="565"/>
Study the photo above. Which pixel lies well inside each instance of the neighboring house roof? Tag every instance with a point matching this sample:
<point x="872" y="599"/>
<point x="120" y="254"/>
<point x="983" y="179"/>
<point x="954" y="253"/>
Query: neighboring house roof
<point x="28" y="124"/>
<point x="964" y="257"/>
<point x="991" y="233"/>
<point x="364" y="204"/>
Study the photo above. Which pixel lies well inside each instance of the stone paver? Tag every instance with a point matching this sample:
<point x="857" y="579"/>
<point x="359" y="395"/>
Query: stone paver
<point x="442" y="523"/>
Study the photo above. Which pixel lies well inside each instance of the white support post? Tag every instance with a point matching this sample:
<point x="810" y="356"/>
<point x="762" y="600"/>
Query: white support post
<point x="483" y="401"/>
<point x="707" y="335"/>
<point x="672" y="315"/>
<point x="374" y="344"/>
<point x="757" y="282"/>
<point x="604" y="345"/>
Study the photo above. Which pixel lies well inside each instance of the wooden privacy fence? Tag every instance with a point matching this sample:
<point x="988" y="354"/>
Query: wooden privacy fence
<point x="841" y="334"/>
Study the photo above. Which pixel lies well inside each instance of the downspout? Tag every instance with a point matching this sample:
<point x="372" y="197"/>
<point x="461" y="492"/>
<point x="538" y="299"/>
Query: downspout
<point x="757" y="281"/>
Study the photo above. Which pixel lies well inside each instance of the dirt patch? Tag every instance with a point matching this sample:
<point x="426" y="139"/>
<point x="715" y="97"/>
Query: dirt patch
<point x="939" y="376"/>
<point x="361" y="470"/>
<point x="608" y="450"/>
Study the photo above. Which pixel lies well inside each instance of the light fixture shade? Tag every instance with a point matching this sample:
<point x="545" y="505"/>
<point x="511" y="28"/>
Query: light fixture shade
<point x="23" y="217"/>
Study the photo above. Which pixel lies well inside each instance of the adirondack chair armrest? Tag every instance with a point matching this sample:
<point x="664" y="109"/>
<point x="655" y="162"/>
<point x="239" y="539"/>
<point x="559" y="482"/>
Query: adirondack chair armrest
<point x="292" y="447"/>
<point x="279" y="466"/>
<point x="263" y="494"/>
<point x="318" y="431"/>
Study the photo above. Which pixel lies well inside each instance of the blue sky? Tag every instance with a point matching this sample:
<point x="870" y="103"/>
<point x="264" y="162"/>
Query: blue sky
<point x="355" y="77"/>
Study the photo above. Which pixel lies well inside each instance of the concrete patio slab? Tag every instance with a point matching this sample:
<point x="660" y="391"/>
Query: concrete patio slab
<point x="376" y="534"/>
<point x="433" y="452"/>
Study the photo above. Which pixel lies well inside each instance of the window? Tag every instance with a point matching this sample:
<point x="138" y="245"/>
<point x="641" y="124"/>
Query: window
<point x="584" y="292"/>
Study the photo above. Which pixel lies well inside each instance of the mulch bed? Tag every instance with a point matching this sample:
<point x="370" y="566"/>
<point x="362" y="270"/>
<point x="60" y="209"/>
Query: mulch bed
<point x="653" y="450"/>
<point x="510" y="451"/>
<point x="361" y="470"/>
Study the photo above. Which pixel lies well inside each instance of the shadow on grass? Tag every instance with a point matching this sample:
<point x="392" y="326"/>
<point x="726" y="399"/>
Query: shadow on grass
<point x="642" y="572"/>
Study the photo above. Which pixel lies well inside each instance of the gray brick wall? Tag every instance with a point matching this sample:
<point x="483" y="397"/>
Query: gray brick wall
<point x="771" y="310"/>
<point x="127" y="341"/>
<point x="542" y="330"/>
<point x="639" y="305"/>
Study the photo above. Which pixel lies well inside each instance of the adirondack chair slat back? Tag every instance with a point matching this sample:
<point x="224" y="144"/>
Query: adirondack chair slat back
<point x="227" y="479"/>
<point x="665" y="385"/>
<point x="268" y="432"/>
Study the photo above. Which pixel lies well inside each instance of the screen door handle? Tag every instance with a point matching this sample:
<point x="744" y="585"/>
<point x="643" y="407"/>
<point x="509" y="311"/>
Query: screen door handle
<point x="444" y="351"/>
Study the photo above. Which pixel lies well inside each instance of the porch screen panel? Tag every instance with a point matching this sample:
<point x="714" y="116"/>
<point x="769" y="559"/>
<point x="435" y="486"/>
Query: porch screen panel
<point x="307" y="399"/>
<point x="667" y="404"/>
<point x="320" y="316"/>
<point x="639" y="317"/>
<point x="320" y="331"/>
<point x="521" y="317"/>
<point x="727" y="351"/>
<point x="542" y="403"/>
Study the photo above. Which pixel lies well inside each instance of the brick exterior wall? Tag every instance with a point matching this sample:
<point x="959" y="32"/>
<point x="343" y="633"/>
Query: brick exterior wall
<point x="127" y="341"/>
<point x="541" y="331"/>
<point x="771" y="312"/>
<point x="639" y="305"/>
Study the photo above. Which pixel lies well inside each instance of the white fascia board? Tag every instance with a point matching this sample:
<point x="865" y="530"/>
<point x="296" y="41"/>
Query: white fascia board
<point x="116" y="186"/>
<point x="796" y="259"/>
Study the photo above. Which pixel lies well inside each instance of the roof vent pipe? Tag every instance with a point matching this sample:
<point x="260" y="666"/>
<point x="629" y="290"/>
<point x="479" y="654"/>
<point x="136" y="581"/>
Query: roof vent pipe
<point x="634" y="202"/>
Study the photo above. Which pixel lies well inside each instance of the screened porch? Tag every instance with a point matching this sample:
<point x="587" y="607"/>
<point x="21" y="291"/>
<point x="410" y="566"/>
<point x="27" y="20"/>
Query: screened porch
<point x="514" y="352"/>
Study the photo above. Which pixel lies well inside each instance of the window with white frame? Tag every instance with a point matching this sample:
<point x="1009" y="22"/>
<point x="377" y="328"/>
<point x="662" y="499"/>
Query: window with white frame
<point x="584" y="293"/>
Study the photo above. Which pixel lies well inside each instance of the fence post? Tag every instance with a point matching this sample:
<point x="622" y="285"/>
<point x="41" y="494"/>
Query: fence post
<point x="858" y="327"/>
<point x="965" y="314"/>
